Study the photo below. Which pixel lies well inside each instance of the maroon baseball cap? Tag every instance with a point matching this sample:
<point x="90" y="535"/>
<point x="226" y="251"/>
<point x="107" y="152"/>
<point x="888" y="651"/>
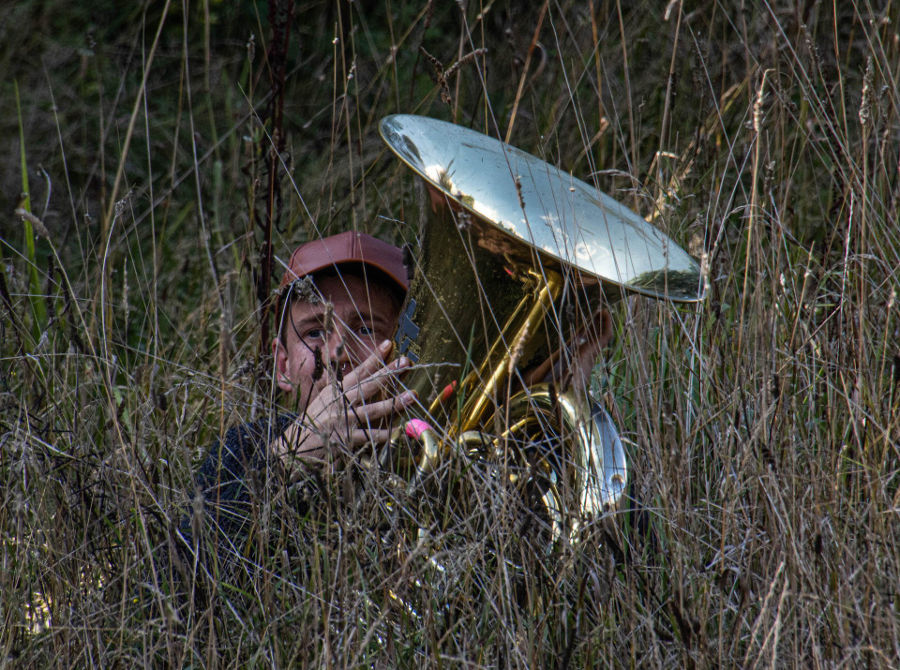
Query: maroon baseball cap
<point x="344" y="249"/>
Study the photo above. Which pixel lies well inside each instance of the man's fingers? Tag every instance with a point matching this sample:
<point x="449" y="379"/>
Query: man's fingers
<point x="340" y="415"/>
<point x="374" y="361"/>
<point x="359" y="386"/>
<point x="383" y="408"/>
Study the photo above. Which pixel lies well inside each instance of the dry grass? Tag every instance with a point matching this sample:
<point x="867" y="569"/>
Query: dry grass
<point x="764" y="421"/>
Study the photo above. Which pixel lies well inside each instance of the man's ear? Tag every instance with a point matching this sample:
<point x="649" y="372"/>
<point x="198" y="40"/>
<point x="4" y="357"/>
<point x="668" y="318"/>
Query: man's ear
<point x="282" y="366"/>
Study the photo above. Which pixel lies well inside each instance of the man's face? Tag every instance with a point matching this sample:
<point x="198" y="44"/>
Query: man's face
<point x="362" y="317"/>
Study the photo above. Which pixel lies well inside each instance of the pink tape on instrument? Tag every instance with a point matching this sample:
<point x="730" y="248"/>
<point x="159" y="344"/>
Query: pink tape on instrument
<point x="415" y="428"/>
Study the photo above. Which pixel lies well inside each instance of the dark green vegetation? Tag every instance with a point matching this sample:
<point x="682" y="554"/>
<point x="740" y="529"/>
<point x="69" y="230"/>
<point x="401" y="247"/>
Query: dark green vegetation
<point x="764" y="421"/>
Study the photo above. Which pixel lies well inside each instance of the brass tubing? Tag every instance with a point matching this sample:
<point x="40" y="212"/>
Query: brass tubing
<point x="497" y="371"/>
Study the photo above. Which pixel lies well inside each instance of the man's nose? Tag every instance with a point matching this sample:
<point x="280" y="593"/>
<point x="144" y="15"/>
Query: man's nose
<point x="336" y="346"/>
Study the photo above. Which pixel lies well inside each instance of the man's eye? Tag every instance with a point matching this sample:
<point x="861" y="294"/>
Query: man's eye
<point x="314" y="334"/>
<point x="366" y="331"/>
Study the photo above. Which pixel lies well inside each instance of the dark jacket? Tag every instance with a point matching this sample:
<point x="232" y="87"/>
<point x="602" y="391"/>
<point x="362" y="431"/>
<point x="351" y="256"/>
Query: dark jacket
<point x="218" y="533"/>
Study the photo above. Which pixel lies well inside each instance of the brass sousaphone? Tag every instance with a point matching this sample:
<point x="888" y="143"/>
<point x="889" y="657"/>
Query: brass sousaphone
<point x="513" y="254"/>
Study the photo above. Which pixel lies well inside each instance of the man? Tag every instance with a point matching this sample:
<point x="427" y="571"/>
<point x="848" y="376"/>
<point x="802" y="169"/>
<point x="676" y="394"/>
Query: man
<point x="331" y="346"/>
<point x="339" y="304"/>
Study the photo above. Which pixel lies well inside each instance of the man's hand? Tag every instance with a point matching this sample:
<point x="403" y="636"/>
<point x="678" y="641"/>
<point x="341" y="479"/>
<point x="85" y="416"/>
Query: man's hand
<point x="572" y="368"/>
<point x="348" y="413"/>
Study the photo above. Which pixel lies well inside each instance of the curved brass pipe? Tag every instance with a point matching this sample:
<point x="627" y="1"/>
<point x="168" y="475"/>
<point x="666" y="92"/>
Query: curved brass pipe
<point x="501" y="358"/>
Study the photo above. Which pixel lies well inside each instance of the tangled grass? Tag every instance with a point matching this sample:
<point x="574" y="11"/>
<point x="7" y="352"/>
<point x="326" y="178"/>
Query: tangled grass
<point x="763" y="422"/>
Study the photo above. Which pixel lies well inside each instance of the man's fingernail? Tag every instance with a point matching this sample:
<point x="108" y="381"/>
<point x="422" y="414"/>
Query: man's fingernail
<point x="384" y="347"/>
<point x="408" y="396"/>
